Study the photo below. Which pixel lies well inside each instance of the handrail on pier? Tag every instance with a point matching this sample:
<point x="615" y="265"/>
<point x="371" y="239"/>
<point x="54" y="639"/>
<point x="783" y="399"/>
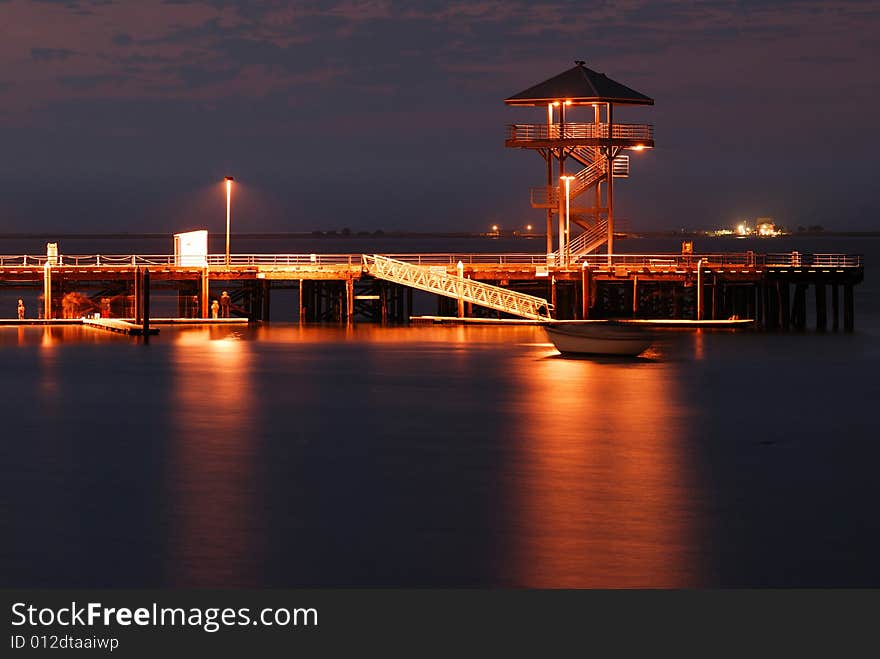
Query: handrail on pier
<point x="217" y="261"/>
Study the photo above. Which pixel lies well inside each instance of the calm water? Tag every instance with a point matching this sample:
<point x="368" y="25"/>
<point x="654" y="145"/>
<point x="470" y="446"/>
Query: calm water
<point x="439" y="456"/>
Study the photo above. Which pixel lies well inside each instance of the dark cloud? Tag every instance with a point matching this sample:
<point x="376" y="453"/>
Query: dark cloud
<point x="87" y="82"/>
<point x="50" y="54"/>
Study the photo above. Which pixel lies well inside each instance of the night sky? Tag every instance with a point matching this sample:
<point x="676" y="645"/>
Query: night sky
<point x="125" y="115"/>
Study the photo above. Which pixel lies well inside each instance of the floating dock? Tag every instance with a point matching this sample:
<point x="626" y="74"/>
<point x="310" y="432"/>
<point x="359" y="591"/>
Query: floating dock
<point x="119" y="326"/>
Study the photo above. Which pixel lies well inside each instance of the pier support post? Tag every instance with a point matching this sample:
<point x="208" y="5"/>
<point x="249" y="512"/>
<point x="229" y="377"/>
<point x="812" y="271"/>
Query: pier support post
<point x="760" y="310"/>
<point x="799" y="308"/>
<point x="301" y="312"/>
<point x="586" y="286"/>
<point x="204" y="306"/>
<point x="47" y="291"/>
<point x="553" y="295"/>
<point x="848" y="308"/>
<point x="137" y="296"/>
<point x="821" y="307"/>
<point x="635" y="301"/>
<point x="784" y="305"/>
<point x="771" y="303"/>
<point x="349" y="301"/>
<point x="716" y="295"/>
<point x="146" y="295"/>
<point x="835" y="308"/>
<point x="266" y="300"/>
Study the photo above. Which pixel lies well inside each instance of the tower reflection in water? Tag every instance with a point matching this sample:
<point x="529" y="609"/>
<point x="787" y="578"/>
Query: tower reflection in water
<point x="599" y="483"/>
<point x="213" y="502"/>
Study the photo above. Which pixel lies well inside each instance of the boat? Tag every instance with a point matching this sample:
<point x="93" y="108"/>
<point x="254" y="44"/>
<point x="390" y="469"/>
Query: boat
<point x="599" y="338"/>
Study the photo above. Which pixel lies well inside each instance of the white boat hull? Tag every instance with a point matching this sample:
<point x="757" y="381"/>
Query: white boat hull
<point x="599" y="339"/>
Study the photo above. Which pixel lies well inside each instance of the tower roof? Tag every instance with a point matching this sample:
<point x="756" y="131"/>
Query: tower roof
<point x="581" y="86"/>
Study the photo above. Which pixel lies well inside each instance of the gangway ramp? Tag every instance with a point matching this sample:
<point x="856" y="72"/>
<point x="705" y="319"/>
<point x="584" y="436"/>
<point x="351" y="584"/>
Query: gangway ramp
<point x="428" y="279"/>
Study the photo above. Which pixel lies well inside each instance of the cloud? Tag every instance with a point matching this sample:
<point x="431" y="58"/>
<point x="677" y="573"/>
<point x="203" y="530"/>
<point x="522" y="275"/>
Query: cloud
<point x="51" y="54"/>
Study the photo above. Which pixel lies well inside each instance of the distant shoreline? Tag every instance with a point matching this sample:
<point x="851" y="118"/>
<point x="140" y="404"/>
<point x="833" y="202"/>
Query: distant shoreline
<point x="42" y="235"/>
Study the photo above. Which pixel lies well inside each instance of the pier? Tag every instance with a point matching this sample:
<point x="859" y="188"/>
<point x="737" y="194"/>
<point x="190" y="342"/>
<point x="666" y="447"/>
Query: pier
<point x="776" y="290"/>
<point x="578" y="277"/>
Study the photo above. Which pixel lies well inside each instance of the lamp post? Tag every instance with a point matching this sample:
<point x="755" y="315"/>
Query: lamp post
<point x="564" y="242"/>
<point x="229" y="181"/>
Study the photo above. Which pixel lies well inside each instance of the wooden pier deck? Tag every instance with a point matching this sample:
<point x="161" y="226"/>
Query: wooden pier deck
<point x="769" y="288"/>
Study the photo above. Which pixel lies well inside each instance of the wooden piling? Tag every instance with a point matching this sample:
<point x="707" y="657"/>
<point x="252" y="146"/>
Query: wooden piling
<point x="635" y="300"/>
<point x="799" y="307"/>
<point x="848" y="308"/>
<point x="821" y="307"/>
<point x="784" y="305"/>
<point x="204" y="301"/>
<point x="716" y="295"/>
<point x="759" y="305"/>
<point x="47" y="292"/>
<point x="835" y="308"/>
<point x="137" y="296"/>
<point x="349" y="301"/>
<point x="146" y="296"/>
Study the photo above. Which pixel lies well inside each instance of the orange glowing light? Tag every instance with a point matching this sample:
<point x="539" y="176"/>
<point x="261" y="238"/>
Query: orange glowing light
<point x="638" y="147"/>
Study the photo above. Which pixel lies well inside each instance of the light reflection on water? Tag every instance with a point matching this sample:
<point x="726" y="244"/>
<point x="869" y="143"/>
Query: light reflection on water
<point x="433" y="456"/>
<point x="599" y="479"/>
<point x="210" y="469"/>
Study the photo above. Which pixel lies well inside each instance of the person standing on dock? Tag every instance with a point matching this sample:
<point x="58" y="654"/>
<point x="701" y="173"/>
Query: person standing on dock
<point x="194" y="306"/>
<point x="20" y="309"/>
<point x="224" y="304"/>
<point x="215" y="309"/>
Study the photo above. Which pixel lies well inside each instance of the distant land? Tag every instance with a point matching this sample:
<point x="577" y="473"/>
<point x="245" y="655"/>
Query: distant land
<point x="332" y="235"/>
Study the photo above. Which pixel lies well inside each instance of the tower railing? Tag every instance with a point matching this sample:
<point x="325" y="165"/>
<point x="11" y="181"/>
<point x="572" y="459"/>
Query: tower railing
<point x="578" y="131"/>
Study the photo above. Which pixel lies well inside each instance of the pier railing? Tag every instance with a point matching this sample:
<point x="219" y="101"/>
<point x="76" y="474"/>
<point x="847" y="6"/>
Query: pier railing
<point x="238" y="261"/>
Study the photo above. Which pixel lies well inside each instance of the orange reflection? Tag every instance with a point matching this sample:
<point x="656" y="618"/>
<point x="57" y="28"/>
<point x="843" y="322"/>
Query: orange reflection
<point x="211" y="543"/>
<point x="600" y="481"/>
<point x="699" y="344"/>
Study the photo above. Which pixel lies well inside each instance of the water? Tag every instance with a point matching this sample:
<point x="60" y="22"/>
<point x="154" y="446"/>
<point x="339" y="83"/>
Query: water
<point x="283" y="456"/>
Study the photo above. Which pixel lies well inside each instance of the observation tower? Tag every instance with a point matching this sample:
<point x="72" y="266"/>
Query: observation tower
<point x="580" y="192"/>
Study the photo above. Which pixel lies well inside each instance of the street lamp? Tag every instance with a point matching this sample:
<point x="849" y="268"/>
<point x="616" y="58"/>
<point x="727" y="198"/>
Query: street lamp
<point x="563" y="247"/>
<point x="229" y="181"/>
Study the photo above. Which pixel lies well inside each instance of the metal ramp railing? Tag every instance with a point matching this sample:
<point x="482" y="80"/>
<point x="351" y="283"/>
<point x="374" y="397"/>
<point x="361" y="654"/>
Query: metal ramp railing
<point x="433" y="280"/>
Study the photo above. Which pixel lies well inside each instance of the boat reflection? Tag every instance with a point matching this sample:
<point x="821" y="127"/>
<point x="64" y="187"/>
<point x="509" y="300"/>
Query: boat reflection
<point x="599" y="482"/>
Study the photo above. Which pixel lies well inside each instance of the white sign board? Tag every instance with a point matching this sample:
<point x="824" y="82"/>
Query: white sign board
<point x="191" y="248"/>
